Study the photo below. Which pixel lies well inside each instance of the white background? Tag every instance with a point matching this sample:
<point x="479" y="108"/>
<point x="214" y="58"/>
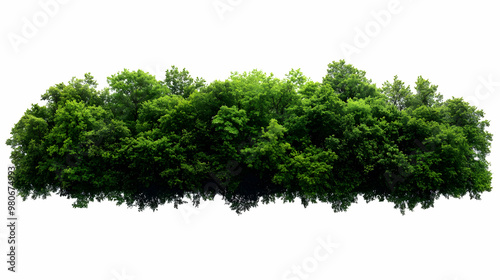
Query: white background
<point x="454" y="44"/>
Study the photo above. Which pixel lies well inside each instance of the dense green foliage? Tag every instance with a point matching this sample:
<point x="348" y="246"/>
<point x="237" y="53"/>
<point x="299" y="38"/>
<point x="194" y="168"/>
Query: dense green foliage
<point x="250" y="138"/>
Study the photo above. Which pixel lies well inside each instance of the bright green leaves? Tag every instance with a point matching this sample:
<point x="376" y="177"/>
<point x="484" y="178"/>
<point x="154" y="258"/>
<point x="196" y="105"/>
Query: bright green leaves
<point x="181" y="83"/>
<point x="265" y="97"/>
<point x="145" y="142"/>
<point x="129" y="90"/>
<point x="459" y="113"/>
<point x="296" y="78"/>
<point x="231" y="120"/>
<point x="348" y="81"/>
<point x="151" y="111"/>
<point x="29" y="129"/>
<point x="402" y="97"/>
<point x="322" y="112"/>
<point x="397" y="93"/>
<point x="28" y="150"/>
<point x="269" y="150"/>
<point x="426" y="94"/>
<point x="79" y="90"/>
<point x="360" y="110"/>
<point x="274" y="131"/>
<point x="230" y="126"/>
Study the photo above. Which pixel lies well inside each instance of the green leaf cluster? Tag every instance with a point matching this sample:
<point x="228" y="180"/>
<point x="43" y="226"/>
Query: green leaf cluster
<point x="252" y="137"/>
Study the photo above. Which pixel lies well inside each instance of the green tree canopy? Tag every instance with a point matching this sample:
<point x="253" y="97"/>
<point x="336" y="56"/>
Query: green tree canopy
<point x="252" y="137"/>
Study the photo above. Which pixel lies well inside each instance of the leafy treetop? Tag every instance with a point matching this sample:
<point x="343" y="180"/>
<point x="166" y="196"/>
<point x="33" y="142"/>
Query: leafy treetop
<point x="252" y="137"/>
